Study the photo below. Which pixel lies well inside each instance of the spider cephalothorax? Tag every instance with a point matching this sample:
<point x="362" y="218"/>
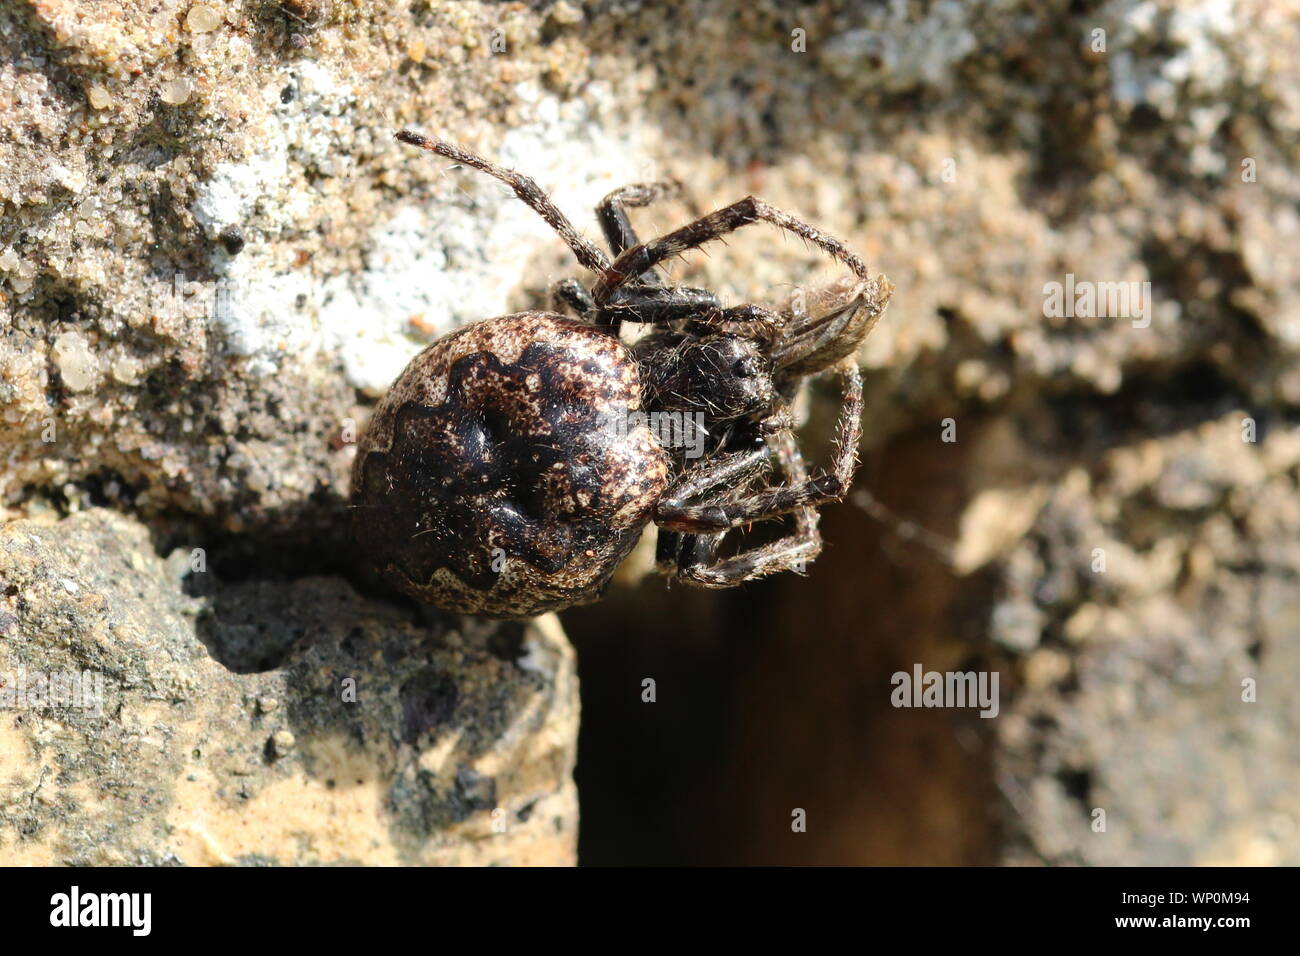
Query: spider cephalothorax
<point x="514" y="463"/>
<point x="722" y="377"/>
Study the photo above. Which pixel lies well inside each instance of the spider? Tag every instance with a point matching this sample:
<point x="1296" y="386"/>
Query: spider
<point x="490" y="480"/>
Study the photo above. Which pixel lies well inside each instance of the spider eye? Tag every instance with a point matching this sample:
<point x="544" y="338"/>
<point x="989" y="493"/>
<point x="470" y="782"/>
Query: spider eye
<point x="744" y="368"/>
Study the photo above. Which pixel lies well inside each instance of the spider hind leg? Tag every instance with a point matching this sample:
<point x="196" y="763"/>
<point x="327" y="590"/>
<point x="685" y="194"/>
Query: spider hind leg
<point x="700" y="565"/>
<point x="685" y="509"/>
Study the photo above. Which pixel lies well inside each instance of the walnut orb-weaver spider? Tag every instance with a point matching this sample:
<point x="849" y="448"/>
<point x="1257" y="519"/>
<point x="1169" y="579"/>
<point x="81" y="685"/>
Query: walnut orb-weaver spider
<point x="490" y="480"/>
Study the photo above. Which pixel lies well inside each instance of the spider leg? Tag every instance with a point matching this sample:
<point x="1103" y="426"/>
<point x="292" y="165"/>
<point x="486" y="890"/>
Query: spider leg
<point x="791" y="553"/>
<point x="685" y="513"/>
<point x="525" y="188"/>
<point x="619" y="234"/>
<point x="645" y="300"/>
<point x="735" y="469"/>
<point x="570" y="294"/>
<point x="657" y="304"/>
<point x="667" y="550"/>
<point x="699" y="565"/>
<point x="636" y="260"/>
<point x="751" y="320"/>
<point x="660" y="305"/>
<point x="796" y="471"/>
<point x="614" y="221"/>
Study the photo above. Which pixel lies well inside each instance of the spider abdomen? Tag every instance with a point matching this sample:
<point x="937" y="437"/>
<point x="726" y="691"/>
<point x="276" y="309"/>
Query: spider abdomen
<point x="502" y="473"/>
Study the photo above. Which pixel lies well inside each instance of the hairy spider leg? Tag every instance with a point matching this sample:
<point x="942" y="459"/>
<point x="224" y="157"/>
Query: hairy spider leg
<point x="682" y="509"/>
<point x="736" y="470"/>
<point x="570" y="294"/>
<point x="614" y="221"/>
<point x="634" y="261"/>
<point x="700" y="564"/>
<point x="645" y="299"/>
<point x="526" y="189"/>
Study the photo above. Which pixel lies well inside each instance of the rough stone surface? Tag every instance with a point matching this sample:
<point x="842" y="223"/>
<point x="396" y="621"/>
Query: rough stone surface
<point x="215" y="382"/>
<point x="221" y="730"/>
<point x="1155" y="615"/>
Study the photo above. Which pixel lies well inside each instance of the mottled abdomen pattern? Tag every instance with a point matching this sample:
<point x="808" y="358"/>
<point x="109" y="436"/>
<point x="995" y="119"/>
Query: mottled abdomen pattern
<point x="497" y="476"/>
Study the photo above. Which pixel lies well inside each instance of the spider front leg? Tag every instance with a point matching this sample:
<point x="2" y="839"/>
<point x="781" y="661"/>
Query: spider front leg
<point x="525" y="188"/>
<point x="637" y="260"/>
<point x="698" y="563"/>
<point x="683" y="510"/>
<point x="657" y="304"/>
<point x="645" y="300"/>
<point x="660" y="305"/>
<point x="614" y="221"/>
